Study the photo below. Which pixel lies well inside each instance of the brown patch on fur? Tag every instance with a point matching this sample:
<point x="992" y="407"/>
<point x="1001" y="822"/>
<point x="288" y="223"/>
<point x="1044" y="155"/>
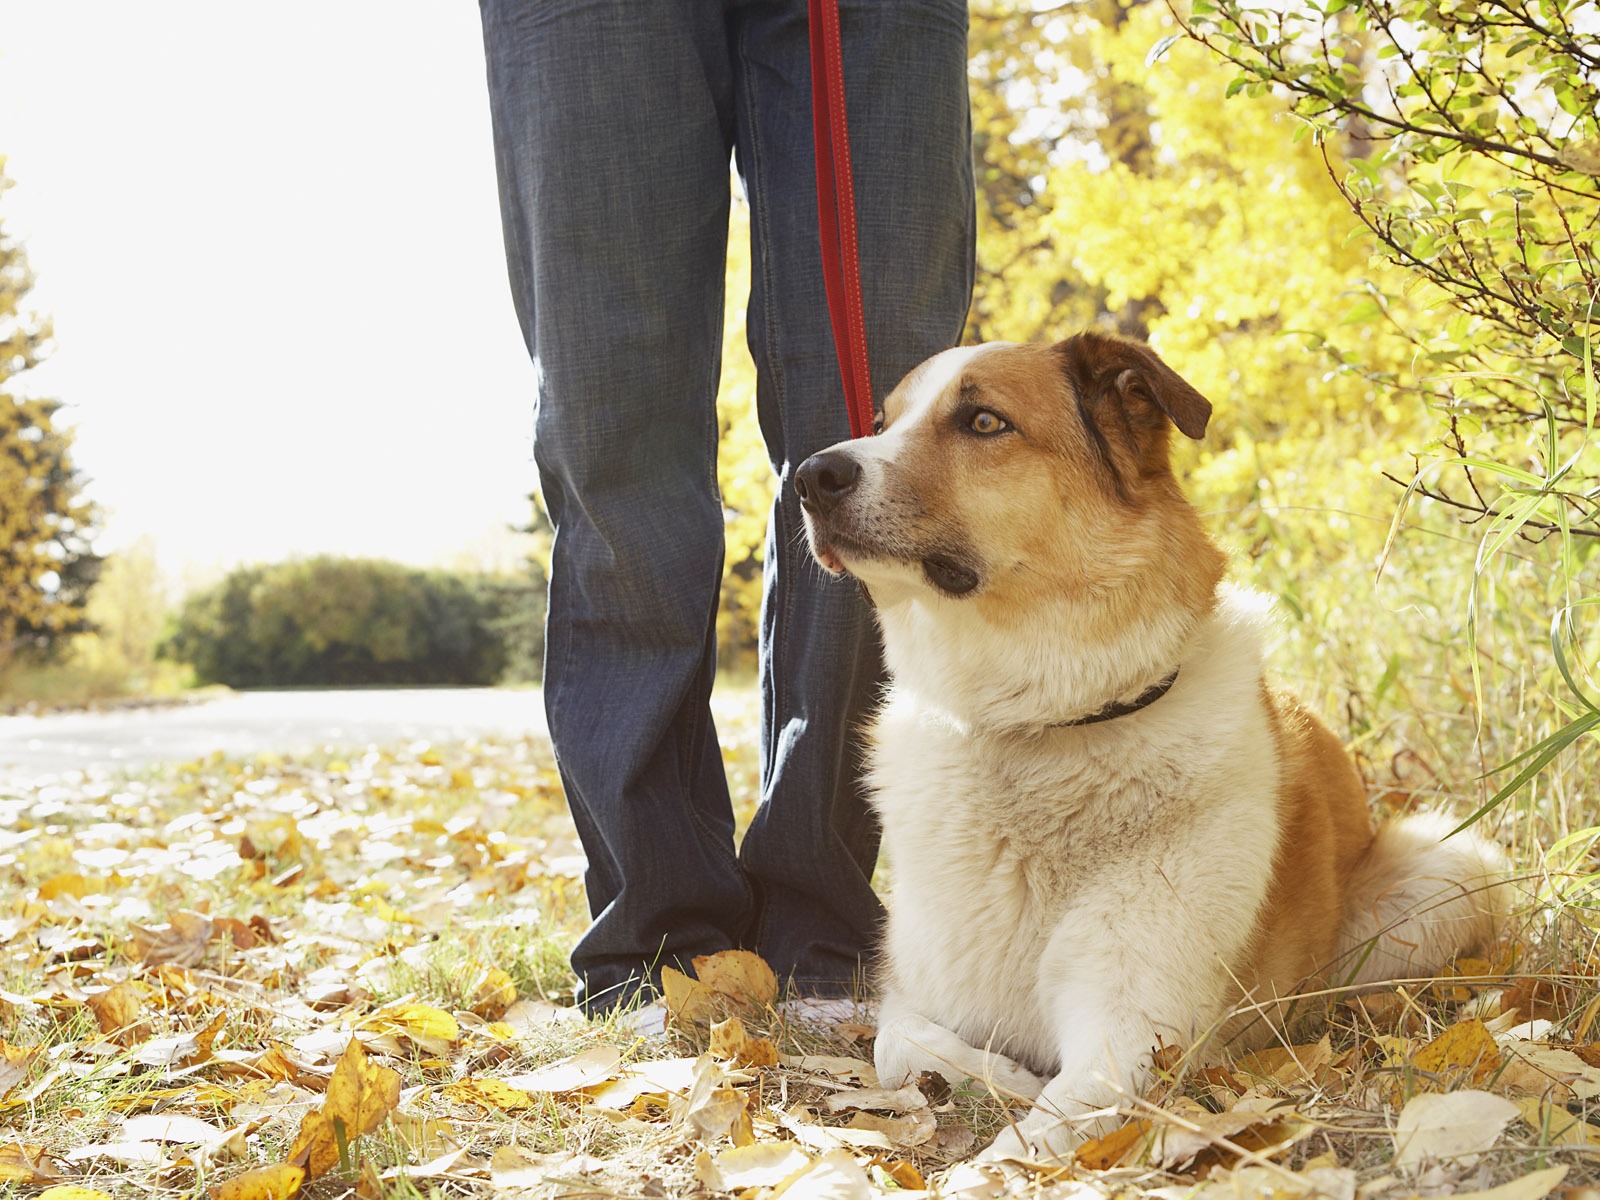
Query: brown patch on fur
<point x="1326" y="828"/>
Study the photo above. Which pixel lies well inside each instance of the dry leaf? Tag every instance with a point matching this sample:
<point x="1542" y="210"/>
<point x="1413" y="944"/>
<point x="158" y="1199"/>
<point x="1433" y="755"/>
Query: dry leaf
<point x="1464" y="1053"/>
<point x="766" y="1164"/>
<point x="25" y="1164"/>
<point x="1533" y="1186"/>
<point x="740" y="975"/>
<point x="1452" y="1126"/>
<point x="360" y="1095"/>
<point x="279" y="1182"/>
<point x="730" y="1041"/>
<point x="834" y="1176"/>
<point x="1555" y="1125"/>
<point x="181" y="942"/>
<point x="119" y="1012"/>
<point x="527" y="1016"/>
<point x="913" y="1129"/>
<point x="431" y="1029"/>
<point x="489" y="1093"/>
<point x="186" y="1131"/>
<point x="688" y="1000"/>
<point x="844" y="1069"/>
<point x="1103" y="1153"/>
<point x="491" y="993"/>
<point x="899" y="1100"/>
<point x="589" y="1069"/>
<point x="15" y="1062"/>
<point x="71" y="1191"/>
<point x="1290" y="1066"/>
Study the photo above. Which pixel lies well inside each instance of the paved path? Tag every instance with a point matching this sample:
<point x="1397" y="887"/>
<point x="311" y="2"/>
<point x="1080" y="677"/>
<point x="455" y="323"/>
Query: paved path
<point x="251" y="722"/>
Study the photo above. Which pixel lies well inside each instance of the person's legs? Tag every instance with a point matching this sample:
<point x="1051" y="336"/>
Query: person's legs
<point x="613" y="124"/>
<point x="811" y="848"/>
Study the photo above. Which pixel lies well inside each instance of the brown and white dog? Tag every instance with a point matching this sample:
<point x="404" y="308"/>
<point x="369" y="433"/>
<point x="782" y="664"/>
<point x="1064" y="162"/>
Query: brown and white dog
<point x="1105" y="831"/>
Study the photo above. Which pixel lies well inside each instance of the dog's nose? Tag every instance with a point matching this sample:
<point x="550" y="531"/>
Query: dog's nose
<point x="826" y="478"/>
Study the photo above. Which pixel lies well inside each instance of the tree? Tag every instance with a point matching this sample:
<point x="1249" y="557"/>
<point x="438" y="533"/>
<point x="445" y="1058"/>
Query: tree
<point x="47" y="563"/>
<point x="1478" y="151"/>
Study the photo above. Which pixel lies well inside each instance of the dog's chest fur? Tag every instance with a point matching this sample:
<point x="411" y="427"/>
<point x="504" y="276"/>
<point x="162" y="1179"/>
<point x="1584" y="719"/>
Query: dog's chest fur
<point x="1020" y="838"/>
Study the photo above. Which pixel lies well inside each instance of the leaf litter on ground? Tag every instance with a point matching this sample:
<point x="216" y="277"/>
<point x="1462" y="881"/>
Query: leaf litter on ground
<point x="323" y="976"/>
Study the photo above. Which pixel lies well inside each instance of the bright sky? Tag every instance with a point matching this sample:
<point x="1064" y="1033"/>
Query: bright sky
<point x="268" y="237"/>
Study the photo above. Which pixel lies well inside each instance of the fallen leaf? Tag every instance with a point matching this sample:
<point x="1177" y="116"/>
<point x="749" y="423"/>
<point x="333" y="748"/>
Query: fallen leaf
<point x="1533" y="1186"/>
<point x="15" y="1063"/>
<point x="687" y="999"/>
<point x="899" y="1100"/>
<point x="1555" y="1125"/>
<point x="119" y="1012"/>
<point x="279" y="1182"/>
<point x="181" y="942"/>
<point x="729" y="1040"/>
<point x="589" y="1069"/>
<point x="832" y="1065"/>
<point x="487" y="1092"/>
<point x="430" y="1029"/>
<point x="741" y="975"/>
<point x="528" y="1016"/>
<point x="491" y="993"/>
<point x="360" y="1095"/>
<point x="187" y="1131"/>
<point x="913" y="1129"/>
<point x="71" y="1191"/>
<point x="1103" y="1153"/>
<point x="1451" y="1126"/>
<point x="1290" y="1065"/>
<point x="766" y="1164"/>
<point x="26" y="1164"/>
<point x="1464" y="1053"/>
<point x="834" y="1176"/>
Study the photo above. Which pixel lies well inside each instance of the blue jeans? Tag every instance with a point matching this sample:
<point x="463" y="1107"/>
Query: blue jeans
<point x="614" y="121"/>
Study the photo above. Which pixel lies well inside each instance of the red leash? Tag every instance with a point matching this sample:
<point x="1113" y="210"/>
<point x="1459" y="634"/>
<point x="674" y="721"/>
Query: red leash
<point x="836" y="214"/>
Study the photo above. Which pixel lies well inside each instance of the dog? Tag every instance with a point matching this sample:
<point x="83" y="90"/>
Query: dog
<point x="1106" y="833"/>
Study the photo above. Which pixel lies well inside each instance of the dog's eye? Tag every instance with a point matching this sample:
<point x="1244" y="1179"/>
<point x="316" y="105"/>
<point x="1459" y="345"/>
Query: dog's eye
<point x="877" y="423"/>
<point x="985" y="422"/>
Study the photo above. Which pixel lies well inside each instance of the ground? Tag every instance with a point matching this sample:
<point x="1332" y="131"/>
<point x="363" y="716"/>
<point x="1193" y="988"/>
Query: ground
<point x="333" y="976"/>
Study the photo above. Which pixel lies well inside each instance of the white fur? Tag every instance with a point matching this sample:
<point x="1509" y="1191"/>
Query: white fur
<point x="1050" y="906"/>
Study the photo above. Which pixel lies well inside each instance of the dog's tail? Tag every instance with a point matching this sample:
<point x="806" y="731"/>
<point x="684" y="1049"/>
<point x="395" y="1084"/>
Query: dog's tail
<point x="1417" y="898"/>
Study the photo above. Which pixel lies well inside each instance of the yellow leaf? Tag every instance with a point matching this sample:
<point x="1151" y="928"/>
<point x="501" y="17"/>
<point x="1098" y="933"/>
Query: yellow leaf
<point x="1103" y="1153"/>
<point x="687" y="999"/>
<point x="360" y="1095"/>
<point x="432" y="1029"/>
<point x="1463" y="1055"/>
<point x="26" y="1164"/>
<point x="491" y="993"/>
<point x="68" y="883"/>
<point x="1555" y="1125"/>
<point x="730" y="1041"/>
<point x="489" y="1093"/>
<point x="280" y="1182"/>
<point x="741" y="975"/>
<point x="71" y="1191"/>
<point x="118" y="1011"/>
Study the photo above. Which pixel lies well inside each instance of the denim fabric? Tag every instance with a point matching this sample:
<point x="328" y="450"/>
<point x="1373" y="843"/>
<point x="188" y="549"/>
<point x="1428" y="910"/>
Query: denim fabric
<point x="613" y="122"/>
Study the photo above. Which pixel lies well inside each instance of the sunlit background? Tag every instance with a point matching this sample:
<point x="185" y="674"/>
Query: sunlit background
<point x="269" y="241"/>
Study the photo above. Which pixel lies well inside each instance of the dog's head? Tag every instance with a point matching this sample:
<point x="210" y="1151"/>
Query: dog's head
<point x="1007" y="474"/>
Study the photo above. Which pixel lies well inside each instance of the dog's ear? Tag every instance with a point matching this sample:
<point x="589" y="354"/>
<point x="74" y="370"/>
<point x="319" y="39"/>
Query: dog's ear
<point x="1101" y="366"/>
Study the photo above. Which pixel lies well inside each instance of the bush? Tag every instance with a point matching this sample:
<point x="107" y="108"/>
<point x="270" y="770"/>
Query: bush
<point x="332" y="621"/>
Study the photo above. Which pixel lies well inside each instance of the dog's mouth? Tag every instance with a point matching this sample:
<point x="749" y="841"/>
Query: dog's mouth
<point x="949" y="576"/>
